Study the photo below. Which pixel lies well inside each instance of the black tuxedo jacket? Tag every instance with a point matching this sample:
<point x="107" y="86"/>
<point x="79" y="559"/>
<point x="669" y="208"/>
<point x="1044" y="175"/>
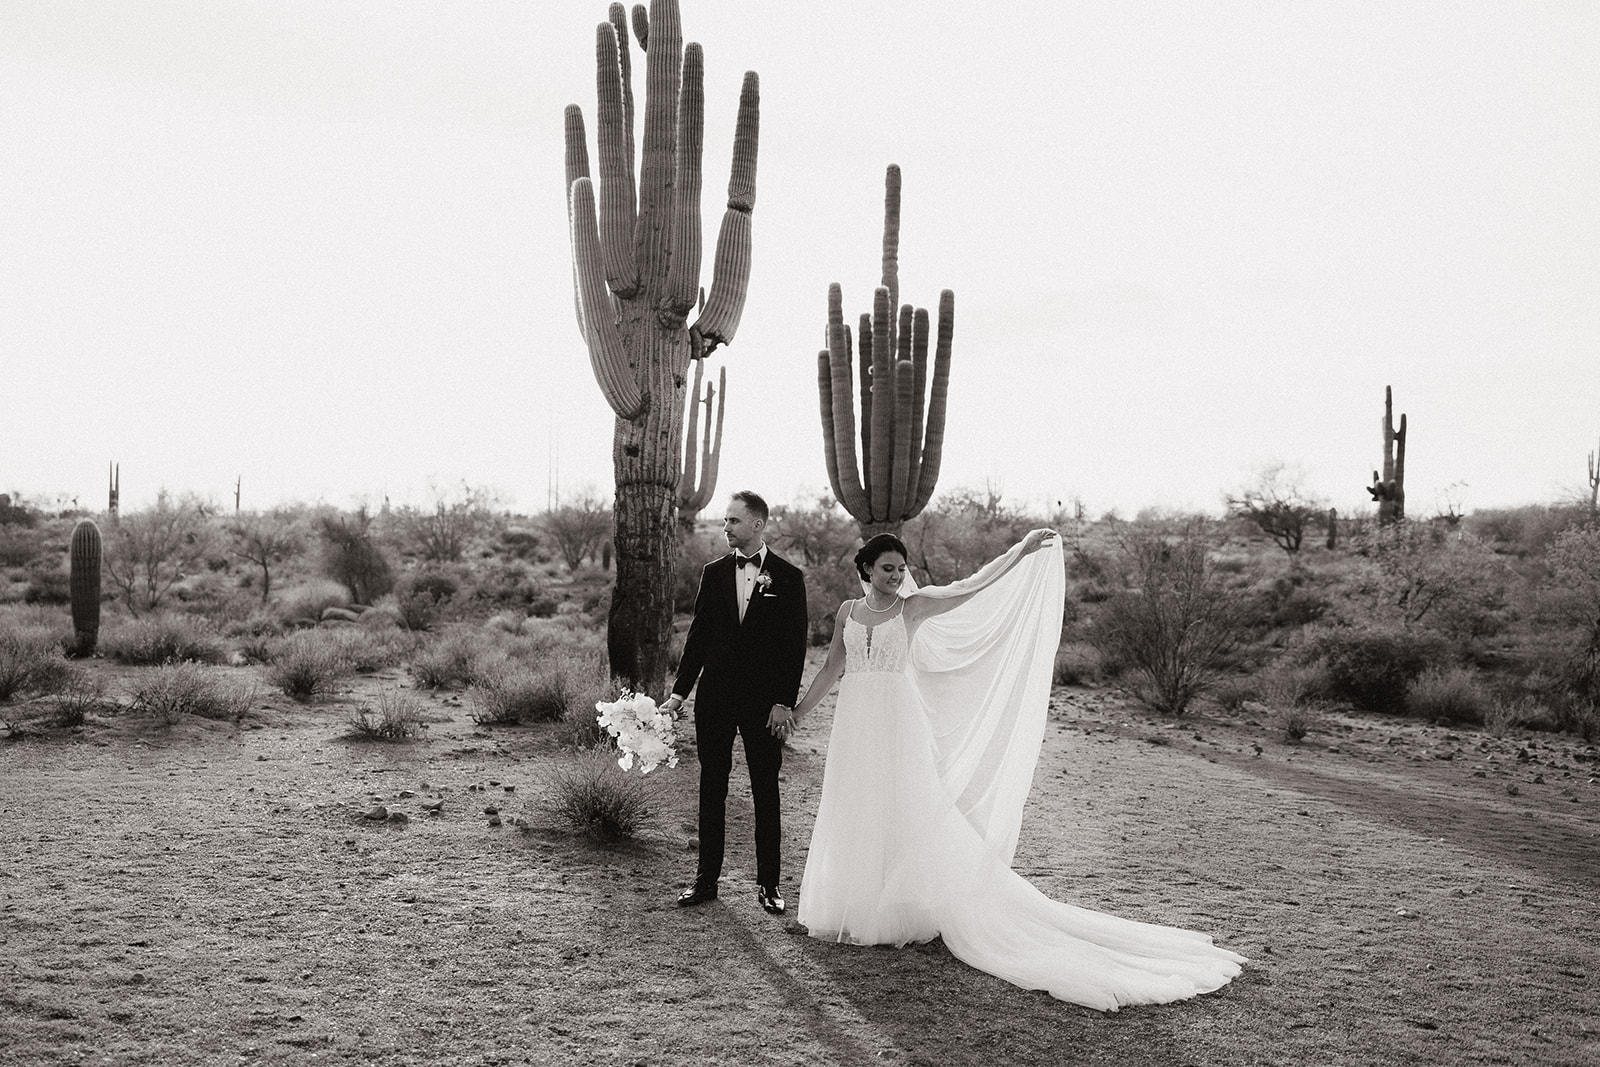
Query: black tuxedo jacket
<point x="749" y="665"/>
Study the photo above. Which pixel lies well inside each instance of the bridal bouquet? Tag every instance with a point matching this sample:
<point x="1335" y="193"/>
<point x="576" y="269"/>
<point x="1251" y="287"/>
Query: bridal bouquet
<point x="642" y="730"/>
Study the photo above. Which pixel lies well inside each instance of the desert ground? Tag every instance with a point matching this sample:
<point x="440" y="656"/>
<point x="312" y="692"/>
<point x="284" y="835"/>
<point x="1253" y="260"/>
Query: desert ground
<point x="212" y="893"/>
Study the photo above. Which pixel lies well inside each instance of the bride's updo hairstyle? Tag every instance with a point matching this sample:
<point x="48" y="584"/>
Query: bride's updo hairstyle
<point x="876" y="546"/>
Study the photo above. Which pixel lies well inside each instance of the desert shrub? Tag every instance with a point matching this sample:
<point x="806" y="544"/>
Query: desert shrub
<point x="1371" y="667"/>
<point x="567" y="682"/>
<point x="304" y="604"/>
<point x="459" y="657"/>
<point x="1076" y="664"/>
<point x="521" y="544"/>
<point x="165" y="638"/>
<point x="1451" y="694"/>
<point x="19" y="544"/>
<point x="1174" y="629"/>
<point x="1292" y="685"/>
<point x="367" y="650"/>
<point x="308" y="665"/>
<point x="1417" y="575"/>
<point x="394" y="715"/>
<point x="352" y="556"/>
<point x="31" y="660"/>
<point x="1505" y="713"/>
<point x="1234" y="691"/>
<point x="47" y="585"/>
<point x="176" y="689"/>
<point x="82" y="695"/>
<point x="1294" y="722"/>
<point x="148" y="552"/>
<point x="596" y="798"/>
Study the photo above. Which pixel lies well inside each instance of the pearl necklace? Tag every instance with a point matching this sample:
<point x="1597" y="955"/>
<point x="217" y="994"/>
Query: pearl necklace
<point x="867" y="600"/>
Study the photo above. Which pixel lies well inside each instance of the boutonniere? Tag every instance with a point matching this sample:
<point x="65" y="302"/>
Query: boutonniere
<point x="763" y="581"/>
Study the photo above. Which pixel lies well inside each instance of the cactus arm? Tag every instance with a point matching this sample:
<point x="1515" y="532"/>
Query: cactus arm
<point x="606" y="354"/>
<point x="879" y="477"/>
<point x="839" y="429"/>
<point x="577" y="166"/>
<point x="614" y="138"/>
<point x="919" y="394"/>
<point x="830" y="449"/>
<point x="730" y="278"/>
<point x="712" y="463"/>
<point x="658" y="162"/>
<point x="686" y="480"/>
<point x="619" y="25"/>
<point x="891" y="239"/>
<point x="933" y="444"/>
<point x="902" y="489"/>
<point x="641" y="26"/>
<point x="865" y="356"/>
<point x="683" y="273"/>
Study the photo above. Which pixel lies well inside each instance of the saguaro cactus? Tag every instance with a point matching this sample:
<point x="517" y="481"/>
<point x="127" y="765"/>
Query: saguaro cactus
<point x="636" y="272"/>
<point x="1594" y="482"/>
<point x="699" y="479"/>
<point x="902" y="422"/>
<point x="114" y="498"/>
<point x="83" y="584"/>
<point x="1389" y="490"/>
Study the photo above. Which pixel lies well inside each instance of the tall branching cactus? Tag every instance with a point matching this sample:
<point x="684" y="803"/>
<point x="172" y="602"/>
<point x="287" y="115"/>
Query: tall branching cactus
<point x="1389" y="489"/>
<point x="636" y="272"/>
<point x="83" y="586"/>
<point x="1594" y="482"/>
<point x="699" y="479"/>
<point x="902" y="422"/>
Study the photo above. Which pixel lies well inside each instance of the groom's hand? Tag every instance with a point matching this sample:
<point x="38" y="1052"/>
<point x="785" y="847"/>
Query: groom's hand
<point x="780" y="720"/>
<point x="672" y="703"/>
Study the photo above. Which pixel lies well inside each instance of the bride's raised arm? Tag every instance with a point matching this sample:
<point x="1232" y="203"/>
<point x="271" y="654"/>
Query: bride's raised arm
<point x="932" y="600"/>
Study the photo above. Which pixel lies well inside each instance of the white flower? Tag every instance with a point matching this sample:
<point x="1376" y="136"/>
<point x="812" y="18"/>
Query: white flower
<point x="643" y="732"/>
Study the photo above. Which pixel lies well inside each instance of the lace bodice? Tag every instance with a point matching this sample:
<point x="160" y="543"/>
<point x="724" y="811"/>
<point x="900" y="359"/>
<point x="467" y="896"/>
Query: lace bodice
<point x="875" y="648"/>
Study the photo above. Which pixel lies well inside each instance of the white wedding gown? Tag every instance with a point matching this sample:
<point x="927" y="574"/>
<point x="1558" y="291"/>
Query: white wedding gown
<point x="930" y="760"/>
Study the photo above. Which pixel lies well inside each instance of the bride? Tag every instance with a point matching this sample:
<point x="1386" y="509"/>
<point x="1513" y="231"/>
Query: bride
<point x="940" y="716"/>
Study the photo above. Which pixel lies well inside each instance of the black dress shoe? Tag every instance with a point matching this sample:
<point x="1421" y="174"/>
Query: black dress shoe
<point x="696" y="894"/>
<point x="771" y="902"/>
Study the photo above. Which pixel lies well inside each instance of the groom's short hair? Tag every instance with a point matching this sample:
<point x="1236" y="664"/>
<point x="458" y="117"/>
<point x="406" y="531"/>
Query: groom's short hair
<point x="753" y="503"/>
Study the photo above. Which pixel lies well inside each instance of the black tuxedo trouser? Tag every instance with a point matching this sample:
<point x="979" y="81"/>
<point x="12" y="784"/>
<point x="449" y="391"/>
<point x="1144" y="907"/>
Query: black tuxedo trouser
<point x="714" y="733"/>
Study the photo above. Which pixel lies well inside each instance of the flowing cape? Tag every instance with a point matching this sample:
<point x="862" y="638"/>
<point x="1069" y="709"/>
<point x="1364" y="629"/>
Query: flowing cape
<point x="982" y="671"/>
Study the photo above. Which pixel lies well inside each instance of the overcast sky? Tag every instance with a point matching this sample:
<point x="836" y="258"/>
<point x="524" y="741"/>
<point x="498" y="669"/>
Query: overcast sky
<point x="321" y="245"/>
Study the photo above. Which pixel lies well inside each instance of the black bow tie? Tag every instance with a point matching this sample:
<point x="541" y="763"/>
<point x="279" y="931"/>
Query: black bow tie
<point x="754" y="561"/>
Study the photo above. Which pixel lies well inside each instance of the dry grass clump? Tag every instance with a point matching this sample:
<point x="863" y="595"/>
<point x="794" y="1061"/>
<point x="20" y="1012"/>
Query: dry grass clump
<point x="151" y="640"/>
<point x="370" y="649"/>
<point x="566" y="684"/>
<point x="455" y="658"/>
<point x="596" y="798"/>
<point x="395" y="716"/>
<point x="174" y="690"/>
<point x="1505" y="714"/>
<point x="307" y="665"/>
<point x="82" y="695"/>
<point x="1076" y="664"/>
<point x="31" y="660"/>
<point x="1450" y="694"/>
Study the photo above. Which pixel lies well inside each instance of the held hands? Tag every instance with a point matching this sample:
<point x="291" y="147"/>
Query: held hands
<point x="1036" y="539"/>
<point x="782" y="721"/>
<point x="672" y="703"/>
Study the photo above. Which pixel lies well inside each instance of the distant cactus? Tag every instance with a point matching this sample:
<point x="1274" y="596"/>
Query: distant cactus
<point x="1594" y="482"/>
<point x="1333" y="529"/>
<point x="1389" y="489"/>
<point x="699" y="478"/>
<point x="114" y="501"/>
<point x="902" y="420"/>
<point x="84" y="586"/>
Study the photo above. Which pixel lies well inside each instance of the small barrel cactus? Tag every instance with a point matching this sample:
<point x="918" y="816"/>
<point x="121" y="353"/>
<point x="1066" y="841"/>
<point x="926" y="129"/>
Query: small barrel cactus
<point x="84" y="585"/>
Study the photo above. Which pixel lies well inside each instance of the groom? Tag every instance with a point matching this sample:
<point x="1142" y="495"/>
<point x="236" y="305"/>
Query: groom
<point x="747" y="647"/>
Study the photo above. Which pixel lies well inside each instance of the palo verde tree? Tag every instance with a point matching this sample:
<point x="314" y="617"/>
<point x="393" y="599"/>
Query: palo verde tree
<point x="900" y="454"/>
<point x="636" y="264"/>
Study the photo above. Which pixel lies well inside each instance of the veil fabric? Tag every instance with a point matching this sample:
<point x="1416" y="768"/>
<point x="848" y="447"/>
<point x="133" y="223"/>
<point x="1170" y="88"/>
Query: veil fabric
<point x="982" y="671"/>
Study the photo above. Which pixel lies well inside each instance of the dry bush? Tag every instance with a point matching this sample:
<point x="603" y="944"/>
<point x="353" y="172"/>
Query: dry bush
<point x="1295" y="722"/>
<point x="308" y="665"/>
<point x="395" y="716"/>
<point x="304" y="604"/>
<point x="1370" y="667"/>
<point x="369" y="649"/>
<point x="458" y="657"/>
<point x="176" y="689"/>
<point x="82" y="695"/>
<point x="31" y="660"/>
<point x="164" y="638"/>
<point x="1505" y="714"/>
<point x="596" y="798"/>
<point x="1076" y="664"/>
<point x="1450" y="694"/>
<point x="565" y="683"/>
<point x="1176" y="626"/>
